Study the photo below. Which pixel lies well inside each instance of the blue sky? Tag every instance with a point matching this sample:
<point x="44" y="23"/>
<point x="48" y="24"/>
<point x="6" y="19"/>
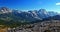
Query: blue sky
<point x="50" y="5"/>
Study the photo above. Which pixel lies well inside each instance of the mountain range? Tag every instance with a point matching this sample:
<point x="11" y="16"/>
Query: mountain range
<point x="14" y="18"/>
<point x="6" y="13"/>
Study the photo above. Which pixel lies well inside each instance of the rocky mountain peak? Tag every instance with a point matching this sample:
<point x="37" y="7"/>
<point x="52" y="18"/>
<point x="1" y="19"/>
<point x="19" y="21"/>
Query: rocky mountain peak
<point x="4" y="10"/>
<point x="42" y="10"/>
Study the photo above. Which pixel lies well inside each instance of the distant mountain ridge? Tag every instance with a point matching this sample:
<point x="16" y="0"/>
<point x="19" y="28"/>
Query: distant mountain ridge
<point x="30" y="15"/>
<point x="56" y="17"/>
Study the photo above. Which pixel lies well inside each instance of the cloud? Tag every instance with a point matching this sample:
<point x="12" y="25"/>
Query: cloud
<point x="58" y="3"/>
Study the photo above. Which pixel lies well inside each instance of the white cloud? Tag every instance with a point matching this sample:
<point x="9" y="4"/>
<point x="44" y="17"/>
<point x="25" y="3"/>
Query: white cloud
<point x="58" y="3"/>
